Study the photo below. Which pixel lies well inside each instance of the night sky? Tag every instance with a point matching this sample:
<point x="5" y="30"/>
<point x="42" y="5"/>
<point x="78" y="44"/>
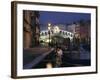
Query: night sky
<point x="62" y="17"/>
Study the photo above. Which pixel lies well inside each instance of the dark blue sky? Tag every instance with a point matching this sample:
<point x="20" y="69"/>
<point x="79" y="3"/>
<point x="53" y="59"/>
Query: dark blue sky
<point x="62" y="17"/>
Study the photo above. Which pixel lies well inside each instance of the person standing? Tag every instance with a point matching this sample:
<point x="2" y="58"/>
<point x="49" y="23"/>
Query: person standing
<point x="59" y="54"/>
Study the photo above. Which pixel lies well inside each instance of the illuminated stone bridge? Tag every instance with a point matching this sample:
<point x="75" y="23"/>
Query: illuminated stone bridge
<point x="46" y="35"/>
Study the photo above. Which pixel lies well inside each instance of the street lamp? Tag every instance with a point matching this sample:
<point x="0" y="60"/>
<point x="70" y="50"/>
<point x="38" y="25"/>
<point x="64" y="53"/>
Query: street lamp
<point x="49" y="28"/>
<point x="56" y="31"/>
<point x="49" y="24"/>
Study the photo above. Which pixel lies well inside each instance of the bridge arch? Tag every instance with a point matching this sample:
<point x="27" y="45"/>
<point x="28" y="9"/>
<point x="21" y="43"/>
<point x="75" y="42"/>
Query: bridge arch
<point x="44" y="34"/>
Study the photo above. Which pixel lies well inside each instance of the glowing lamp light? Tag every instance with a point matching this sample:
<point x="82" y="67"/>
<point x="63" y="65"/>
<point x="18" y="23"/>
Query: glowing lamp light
<point x="49" y="65"/>
<point x="49" y="27"/>
<point x="49" y="24"/>
<point x="48" y="40"/>
<point x="56" y="29"/>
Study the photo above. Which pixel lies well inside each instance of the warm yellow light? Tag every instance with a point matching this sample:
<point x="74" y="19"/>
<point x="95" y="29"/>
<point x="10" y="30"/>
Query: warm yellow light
<point x="56" y="29"/>
<point x="49" y="24"/>
<point x="49" y="65"/>
<point x="48" y="40"/>
<point x="49" y="27"/>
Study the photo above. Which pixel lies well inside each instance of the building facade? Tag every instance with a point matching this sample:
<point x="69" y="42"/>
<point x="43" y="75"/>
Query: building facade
<point x="31" y="30"/>
<point x="84" y="31"/>
<point x="81" y="30"/>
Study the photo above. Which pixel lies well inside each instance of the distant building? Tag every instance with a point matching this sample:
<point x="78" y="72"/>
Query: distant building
<point x="31" y="31"/>
<point x="71" y="28"/>
<point x="80" y="29"/>
<point x="85" y="31"/>
<point x="61" y="26"/>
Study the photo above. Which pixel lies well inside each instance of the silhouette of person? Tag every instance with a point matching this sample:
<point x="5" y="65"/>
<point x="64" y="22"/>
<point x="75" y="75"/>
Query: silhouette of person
<point x="59" y="54"/>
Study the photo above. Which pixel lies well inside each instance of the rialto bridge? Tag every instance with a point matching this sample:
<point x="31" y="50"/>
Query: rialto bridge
<point x="47" y="35"/>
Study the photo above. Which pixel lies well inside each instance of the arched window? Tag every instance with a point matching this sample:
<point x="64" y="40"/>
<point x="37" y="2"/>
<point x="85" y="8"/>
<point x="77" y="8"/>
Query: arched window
<point x="42" y="34"/>
<point x="66" y="34"/>
<point x="60" y="32"/>
<point x="71" y="35"/>
<point x="46" y="33"/>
